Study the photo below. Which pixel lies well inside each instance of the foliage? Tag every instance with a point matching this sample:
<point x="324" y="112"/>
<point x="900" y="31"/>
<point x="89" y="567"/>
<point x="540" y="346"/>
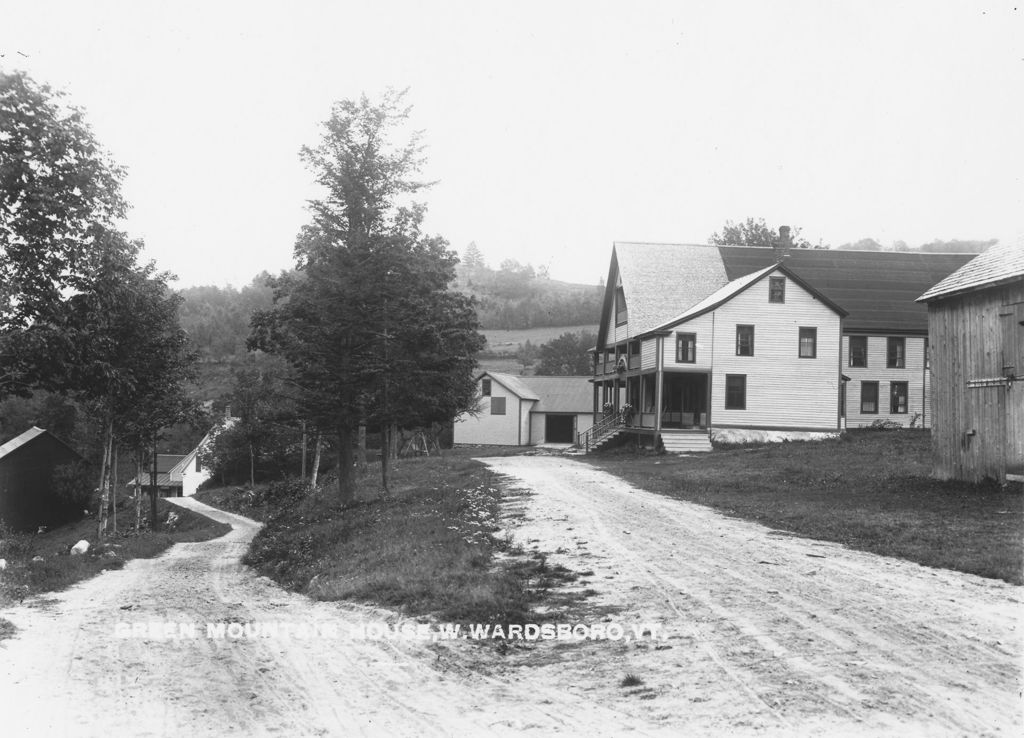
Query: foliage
<point x="517" y="296"/>
<point x="864" y="244"/>
<point x="367" y="321"/>
<point x="217" y="318"/>
<point x="57" y="192"/>
<point x="958" y="247"/>
<point x="73" y="485"/>
<point x="568" y="355"/>
<point x="751" y="232"/>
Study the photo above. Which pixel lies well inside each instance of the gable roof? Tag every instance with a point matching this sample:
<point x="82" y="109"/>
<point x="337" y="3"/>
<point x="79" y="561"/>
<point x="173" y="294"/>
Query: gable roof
<point x="562" y="394"/>
<point x="552" y="394"/>
<point x="878" y="289"/>
<point x="512" y="383"/>
<point x="735" y="287"/>
<point x="658" y="281"/>
<point x="167" y="473"/>
<point x="31" y="434"/>
<point x="998" y="264"/>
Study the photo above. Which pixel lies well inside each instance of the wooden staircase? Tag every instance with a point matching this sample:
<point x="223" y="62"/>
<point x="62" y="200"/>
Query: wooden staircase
<point x="601" y="434"/>
<point x="685" y="442"/>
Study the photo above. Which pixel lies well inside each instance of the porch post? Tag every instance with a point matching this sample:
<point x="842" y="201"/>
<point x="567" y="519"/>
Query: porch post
<point x="658" y="387"/>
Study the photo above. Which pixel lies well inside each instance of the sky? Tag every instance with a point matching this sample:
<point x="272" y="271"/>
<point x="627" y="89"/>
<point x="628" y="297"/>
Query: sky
<point x="552" y="128"/>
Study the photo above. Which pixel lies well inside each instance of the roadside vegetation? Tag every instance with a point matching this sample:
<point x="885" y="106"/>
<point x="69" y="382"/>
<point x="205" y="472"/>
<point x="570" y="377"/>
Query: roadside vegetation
<point x="38" y="563"/>
<point x="869" y="490"/>
<point x="432" y="546"/>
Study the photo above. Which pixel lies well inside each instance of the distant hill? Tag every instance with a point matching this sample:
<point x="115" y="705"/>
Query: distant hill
<point x="520" y="297"/>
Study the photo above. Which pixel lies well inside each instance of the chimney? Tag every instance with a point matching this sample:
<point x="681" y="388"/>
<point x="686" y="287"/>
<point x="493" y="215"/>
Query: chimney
<point x="783" y="245"/>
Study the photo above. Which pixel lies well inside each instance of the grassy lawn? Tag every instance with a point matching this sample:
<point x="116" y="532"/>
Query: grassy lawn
<point x="430" y="547"/>
<point x="869" y="490"/>
<point x="57" y="569"/>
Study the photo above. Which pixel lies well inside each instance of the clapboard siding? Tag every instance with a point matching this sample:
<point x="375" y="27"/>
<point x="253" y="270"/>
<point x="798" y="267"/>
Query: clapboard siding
<point x="783" y="390"/>
<point x="876" y="371"/>
<point x="484" y="428"/>
<point x="703" y="326"/>
<point x="976" y="432"/>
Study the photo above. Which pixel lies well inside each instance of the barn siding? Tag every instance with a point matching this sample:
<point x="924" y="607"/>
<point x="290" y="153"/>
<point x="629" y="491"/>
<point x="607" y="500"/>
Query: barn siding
<point x="876" y="371"/>
<point x="970" y="438"/>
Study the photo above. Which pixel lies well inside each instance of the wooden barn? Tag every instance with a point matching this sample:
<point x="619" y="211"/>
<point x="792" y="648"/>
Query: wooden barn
<point x="27" y="463"/>
<point x="976" y="335"/>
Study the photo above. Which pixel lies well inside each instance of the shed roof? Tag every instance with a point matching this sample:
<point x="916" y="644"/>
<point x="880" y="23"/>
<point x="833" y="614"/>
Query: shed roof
<point x="878" y="289"/>
<point x="998" y="264"/>
<point x="31" y="434"/>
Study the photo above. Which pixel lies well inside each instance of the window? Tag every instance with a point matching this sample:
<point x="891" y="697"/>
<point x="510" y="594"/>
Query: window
<point x="808" y="343"/>
<point x="898" y="397"/>
<point x="497" y="406"/>
<point x="776" y="289"/>
<point x="735" y="391"/>
<point x="896" y="353"/>
<point x="744" y="340"/>
<point x="621" y="314"/>
<point x="485" y="387"/>
<point x="869" y="398"/>
<point x="686" y="348"/>
<point x="858" y="351"/>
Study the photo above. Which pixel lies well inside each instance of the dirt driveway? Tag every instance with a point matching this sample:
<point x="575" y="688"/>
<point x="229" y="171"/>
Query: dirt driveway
<point x="756" y="634"/>
<point x="767" y="632"/>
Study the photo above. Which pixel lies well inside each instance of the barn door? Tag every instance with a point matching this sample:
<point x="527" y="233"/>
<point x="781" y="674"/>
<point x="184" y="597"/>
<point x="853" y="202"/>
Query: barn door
<point x="1012" y="327"/>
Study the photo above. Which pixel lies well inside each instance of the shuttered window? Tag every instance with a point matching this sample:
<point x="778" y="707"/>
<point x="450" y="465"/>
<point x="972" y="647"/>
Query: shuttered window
<point x="497" y="406"/>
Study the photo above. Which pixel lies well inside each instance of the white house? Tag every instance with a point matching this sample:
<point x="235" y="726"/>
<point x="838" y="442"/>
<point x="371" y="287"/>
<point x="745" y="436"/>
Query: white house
<point x="526" y="411"/>
<point x="662" y="351"/>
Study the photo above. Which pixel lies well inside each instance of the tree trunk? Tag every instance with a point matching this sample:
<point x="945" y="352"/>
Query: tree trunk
<point x="361" y="446"/>
<point x="303" y="476"/>
<point x="138" y="488"/>
<point x="113" y="493"/>
<point x="104" y="476"/>
<point x="316" y="459"/>
<point x="346" y="478"/>
<point x="252" y="467"/>
<point x="385" y="453"/>
<point x="154" y="523"/>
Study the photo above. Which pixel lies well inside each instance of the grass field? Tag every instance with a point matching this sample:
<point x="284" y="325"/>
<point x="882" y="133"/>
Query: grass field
<point x="508" y="341"/>
<point x="430" y="547"/>
<point x="869" y="490"/>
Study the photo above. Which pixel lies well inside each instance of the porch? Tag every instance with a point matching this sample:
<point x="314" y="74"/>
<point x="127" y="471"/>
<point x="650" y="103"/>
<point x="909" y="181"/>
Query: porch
<point x="684" y="400"/>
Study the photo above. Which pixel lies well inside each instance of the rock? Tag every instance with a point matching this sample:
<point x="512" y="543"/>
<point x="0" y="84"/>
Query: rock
<point x="80" y="548"/>
<point x="37" y="559"/>
<point x="3" y="564"/>
<point x="172" y="518"/>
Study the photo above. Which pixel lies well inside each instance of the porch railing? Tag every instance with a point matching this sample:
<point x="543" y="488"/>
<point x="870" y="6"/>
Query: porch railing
<point x="600" y="430"/>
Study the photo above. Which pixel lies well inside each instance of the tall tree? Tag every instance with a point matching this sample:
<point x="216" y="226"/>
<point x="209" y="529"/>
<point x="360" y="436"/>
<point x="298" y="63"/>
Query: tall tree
<point x="122" y="353"/>
<point x="56" y="187"/>
<point x="751" y="232"/>
<point x="367" y="320"/>
<point x="569" y="354"/>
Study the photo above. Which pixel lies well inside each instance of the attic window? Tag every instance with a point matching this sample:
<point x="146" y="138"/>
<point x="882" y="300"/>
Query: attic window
<point x="485" y="387"/>
<point x="776" y="289"/>
<point x="621" y="314"/>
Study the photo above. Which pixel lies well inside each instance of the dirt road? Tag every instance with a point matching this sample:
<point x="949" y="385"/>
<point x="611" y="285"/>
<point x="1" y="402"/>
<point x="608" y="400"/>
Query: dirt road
<point x="757" y="634"/>
<point x="768" y="632"/>
<point x="68" y="672"/>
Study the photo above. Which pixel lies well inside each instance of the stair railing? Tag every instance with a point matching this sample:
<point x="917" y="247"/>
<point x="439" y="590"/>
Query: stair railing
<point x="600" y="430"/>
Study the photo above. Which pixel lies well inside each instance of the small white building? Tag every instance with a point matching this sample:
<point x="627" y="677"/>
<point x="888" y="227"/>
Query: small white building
<point x="526" y="411"/>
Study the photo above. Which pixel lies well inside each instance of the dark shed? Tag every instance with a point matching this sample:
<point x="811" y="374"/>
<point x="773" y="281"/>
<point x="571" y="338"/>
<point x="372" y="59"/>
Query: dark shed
<point x="26" y="473"/>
